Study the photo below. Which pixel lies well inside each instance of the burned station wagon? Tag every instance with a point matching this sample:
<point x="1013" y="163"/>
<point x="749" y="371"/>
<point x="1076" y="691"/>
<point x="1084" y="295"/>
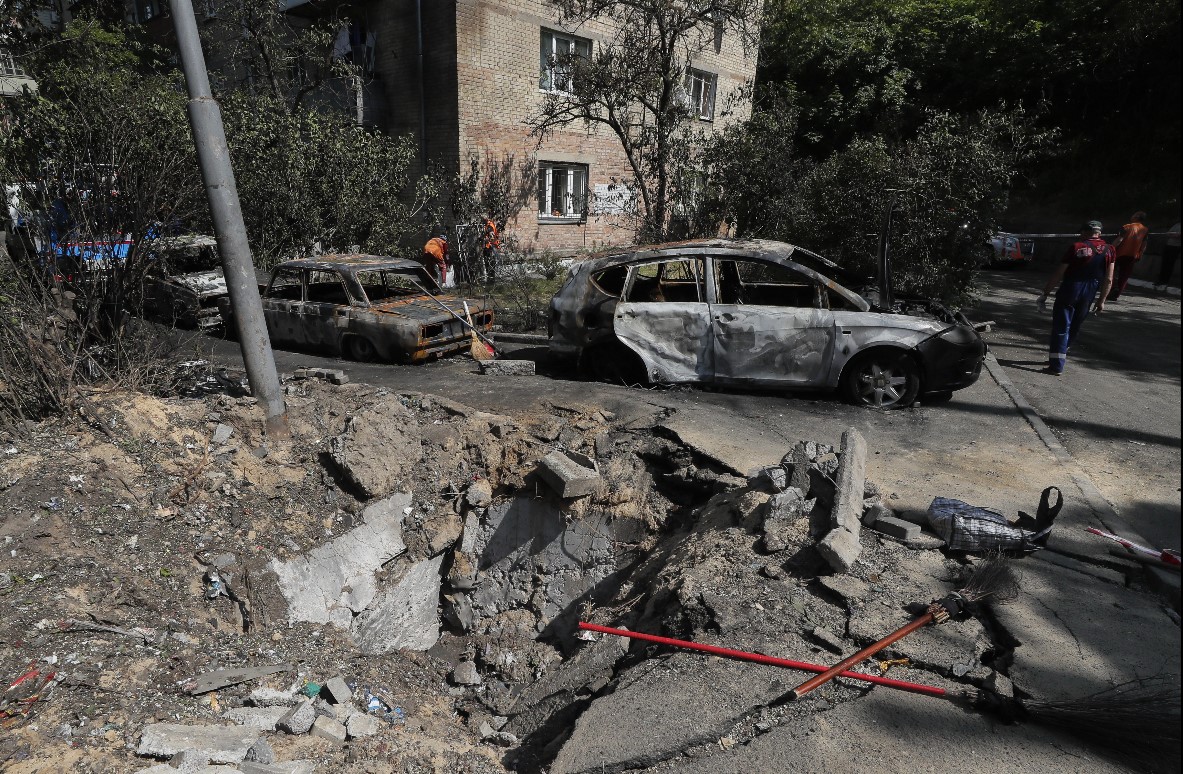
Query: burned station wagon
<point x="757" y="313"/>
<point x="367" y="307"/>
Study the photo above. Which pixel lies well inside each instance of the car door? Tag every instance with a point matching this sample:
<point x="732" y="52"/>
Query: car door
<point x="770" y="324"/>
<point x="325" y="313"/>
<point x="283" y="303"/>
<point x="663" y="316"/>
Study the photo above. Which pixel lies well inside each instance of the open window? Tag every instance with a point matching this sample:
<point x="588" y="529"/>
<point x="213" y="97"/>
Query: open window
<point x="765" y="284"/>
<point x="383" y="285"/>
<point x="286" y="284"/>
<point x="327" y="287"/>
<point x="678" y="280"/>
<point x="557" y="55"/>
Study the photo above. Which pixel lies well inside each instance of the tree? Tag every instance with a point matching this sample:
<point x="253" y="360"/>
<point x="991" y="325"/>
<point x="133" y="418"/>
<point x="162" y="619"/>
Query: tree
<point x="633" y="86"/>
<point x="951" y="178"/>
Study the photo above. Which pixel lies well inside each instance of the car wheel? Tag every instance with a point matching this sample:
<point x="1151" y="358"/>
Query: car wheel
<point x="361" y="349"/>
<point x="884" y="379"/>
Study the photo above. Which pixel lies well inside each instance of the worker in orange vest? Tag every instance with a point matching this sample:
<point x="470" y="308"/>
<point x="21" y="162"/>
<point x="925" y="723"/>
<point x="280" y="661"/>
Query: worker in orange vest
<point x="1129" y="246"/>
<point x="490" y="245"/>
<point x="435" y="257"/>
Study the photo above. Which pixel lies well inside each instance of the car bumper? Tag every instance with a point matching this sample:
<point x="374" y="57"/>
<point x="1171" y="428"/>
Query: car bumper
<point x="952" y="360"/>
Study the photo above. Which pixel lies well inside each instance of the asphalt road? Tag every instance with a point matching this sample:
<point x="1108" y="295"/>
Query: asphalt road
<point x="1116" y="408"/>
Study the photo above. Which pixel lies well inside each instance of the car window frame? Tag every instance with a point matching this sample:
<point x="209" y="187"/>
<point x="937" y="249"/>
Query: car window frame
<point x="634" y="270"/>
<point x="810" y="278"/>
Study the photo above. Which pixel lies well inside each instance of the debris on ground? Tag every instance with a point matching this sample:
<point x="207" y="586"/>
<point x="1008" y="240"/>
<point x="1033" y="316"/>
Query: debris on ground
<point x="399" y="587"/>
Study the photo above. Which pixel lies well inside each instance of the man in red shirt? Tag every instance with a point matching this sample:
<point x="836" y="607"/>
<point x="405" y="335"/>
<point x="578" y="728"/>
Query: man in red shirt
<point x="1086" y="267"/>
<point x="1130" y="245"/>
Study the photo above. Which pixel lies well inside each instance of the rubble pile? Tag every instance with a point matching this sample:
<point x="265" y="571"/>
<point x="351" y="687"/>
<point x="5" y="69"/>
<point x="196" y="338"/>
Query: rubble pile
<point x="398" y="588"/>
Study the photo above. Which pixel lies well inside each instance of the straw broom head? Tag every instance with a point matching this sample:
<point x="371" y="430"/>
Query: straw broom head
<point x="994" y="579"/>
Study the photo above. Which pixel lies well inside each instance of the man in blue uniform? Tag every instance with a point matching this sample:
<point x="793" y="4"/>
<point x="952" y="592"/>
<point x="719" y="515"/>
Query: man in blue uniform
<point x="1086" y="266"/>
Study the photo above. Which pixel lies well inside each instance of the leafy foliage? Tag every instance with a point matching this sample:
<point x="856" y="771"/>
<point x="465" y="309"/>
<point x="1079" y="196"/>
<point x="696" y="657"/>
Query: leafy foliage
<point x="950" y="180"/>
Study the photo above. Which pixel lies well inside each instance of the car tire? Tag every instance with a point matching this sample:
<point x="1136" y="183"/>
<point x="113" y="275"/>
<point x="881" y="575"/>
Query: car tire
<point x="882" y="379"/>
<point x="361" y="349"/>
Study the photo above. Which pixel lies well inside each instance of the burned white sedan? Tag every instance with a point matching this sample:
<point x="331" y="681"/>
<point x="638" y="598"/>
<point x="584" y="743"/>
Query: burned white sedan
<point x="760" y="314"/>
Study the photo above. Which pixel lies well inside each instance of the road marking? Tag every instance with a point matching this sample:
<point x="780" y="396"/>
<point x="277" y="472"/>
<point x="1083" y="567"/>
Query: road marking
<point x="1104" y="510"/>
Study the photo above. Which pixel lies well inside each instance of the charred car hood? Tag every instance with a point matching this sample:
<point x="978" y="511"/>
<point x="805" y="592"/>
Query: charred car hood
<point x="204" y="283"/>
<point x="423" y="309"/>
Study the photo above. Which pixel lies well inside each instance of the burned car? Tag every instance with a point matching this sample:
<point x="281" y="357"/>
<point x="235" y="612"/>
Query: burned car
<point x="184" y="283"/>
<point x="760" y="314"/>
<point x="367" y="307"/>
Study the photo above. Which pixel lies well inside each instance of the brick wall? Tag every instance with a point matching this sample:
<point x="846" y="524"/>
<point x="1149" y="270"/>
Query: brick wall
<point x="481" y="85"/>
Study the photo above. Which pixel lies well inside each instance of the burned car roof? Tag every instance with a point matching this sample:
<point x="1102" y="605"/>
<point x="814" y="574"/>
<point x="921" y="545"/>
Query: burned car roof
<point x="350" y="262"/>
<point x="757" y="248"/>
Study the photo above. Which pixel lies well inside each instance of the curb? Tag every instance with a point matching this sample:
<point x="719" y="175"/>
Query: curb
<point x="1162" y="581"/>
<point x="1170" y="290"/>
<point x="520" y="338"/>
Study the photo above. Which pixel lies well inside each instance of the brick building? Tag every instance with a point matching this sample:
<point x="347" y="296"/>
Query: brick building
<point x="481" y="72"/>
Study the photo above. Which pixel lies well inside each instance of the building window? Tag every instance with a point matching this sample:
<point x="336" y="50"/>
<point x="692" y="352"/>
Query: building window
<point x="555" y="52"/>
<point x="147" y="10"/>
<point x="8" y="66"/>
<point x="562" y="190"/>
<point x="700" y="91"/>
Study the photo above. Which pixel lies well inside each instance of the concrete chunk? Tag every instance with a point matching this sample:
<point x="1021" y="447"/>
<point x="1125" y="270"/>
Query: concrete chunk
<point x="507" y="367"/>
<point x="270" y="697"/>
<point x="262" y="718"/>
<point x="219" y="744"/>
<point x="260" y="752"/>
<point x="465" y="673"/>
<point x="897" y="528"/>
<point x="337" y="691"/>
<point x="841" y="549"/>
<point x="406" y="616"/>
<point x="327" y="728"/>
<point x="330" y="375"/>
<point x="570" y="475"/>
<point x="298" y="719"/>
<point x="279" y="767"/>
<point x="361" y="725"/>
<point x="335" y="580"/>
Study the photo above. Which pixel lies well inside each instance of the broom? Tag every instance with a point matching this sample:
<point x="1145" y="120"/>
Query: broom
<point x="993" y="578"/>
<point x="1135" y="722"/>
<point x="479" y="349"/>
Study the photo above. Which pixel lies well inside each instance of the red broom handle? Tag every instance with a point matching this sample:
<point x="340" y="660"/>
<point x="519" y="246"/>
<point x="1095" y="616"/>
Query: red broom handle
<point x="760" y="658"/>
<point x="841" y="667"/>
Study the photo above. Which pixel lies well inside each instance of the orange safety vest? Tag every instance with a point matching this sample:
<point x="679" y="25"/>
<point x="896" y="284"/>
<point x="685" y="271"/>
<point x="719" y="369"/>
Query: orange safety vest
<point x="437" y="250"/>
<point x="1133" y="240"/>
<point x="492" y="241"/>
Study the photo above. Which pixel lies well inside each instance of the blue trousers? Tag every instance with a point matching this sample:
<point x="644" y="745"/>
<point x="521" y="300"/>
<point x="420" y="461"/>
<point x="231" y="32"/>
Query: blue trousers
<point x="1073" y="301"/>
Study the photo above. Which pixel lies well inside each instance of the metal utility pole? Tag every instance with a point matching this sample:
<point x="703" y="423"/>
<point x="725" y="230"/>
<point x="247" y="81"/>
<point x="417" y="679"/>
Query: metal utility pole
<point x="213" y="155"/>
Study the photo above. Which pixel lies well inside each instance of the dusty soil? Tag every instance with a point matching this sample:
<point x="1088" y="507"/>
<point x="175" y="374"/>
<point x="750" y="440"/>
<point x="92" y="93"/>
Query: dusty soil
<point x="109" y="530"/>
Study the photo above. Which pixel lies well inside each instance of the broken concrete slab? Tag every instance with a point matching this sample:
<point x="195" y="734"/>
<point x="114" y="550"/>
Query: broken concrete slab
<point x="896" y="731"/>
<point x="260" y="752"/>
<point x="335" y="580"/>
<point x="279" y="767"/>
<point x="552" y="702"/>
<point x="328" y="728"/>
<point x="221" y="434"/>
<point x="849" y="589"/>
<point x="330" y="375"/>
<point x="164" y="768"/>
<point x="336" y="690"/>
<point x="479" y="494"/>
<point x="571" y="474"/>
<point x="271" y="697"/>
<point x="298" y="719"/>
<point x="840" y="547"/>
<point x="219" y="744"/>
<point x="262" y="718"/>
<point x="897" y="528"/>
<point x="361" y="725"/>
<point x="221" y="678"/>
<point x="507" y="367"/>
<point x="941" y="648"/>
<point x="465" y="673"/>
<point x="783" y="512"/>
<point x="405" y="616"/>
<point x="663" y="708"/>
<point x="378" y="448"/>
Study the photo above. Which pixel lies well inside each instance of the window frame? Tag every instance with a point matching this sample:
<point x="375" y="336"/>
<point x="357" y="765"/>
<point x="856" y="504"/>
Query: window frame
<point x="548" y="67"/>
<point x="569" y="214"/>
<point x="709" y="83"/>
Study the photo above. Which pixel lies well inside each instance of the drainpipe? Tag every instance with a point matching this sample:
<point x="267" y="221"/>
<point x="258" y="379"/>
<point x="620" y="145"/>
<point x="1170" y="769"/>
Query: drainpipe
<point x="422" y="89"/>
<point x="213" y="156"/>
